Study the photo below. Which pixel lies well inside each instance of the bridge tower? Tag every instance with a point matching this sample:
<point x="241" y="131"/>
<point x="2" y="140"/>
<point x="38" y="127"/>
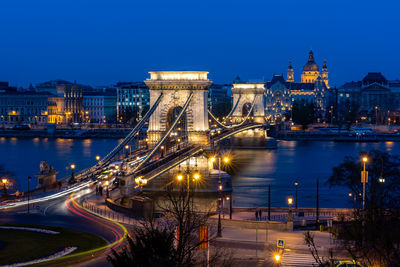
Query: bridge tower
<point x="244" y="95"/>
<point x="176" y="87"/>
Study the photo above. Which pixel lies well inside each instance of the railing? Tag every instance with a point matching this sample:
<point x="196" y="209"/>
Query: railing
<point x="110" y="214"/>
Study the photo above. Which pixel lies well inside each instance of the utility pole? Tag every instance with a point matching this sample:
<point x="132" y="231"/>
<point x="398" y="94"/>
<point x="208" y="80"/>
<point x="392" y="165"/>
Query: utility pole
<point x="269" y="202"/>
<point x="29" y="179"/>
<point x="317" y="204"/>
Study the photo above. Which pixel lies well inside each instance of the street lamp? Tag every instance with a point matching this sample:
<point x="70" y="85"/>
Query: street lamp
<point x="226" y="160"/>
<point x="97" y="157"/>
<point x="277" y="258"/>
<point x="72" y="172"/>
<point x="381" y="180"/>
<point x="364" y="178"/>
<point x="141" y="182"/>
<point x="4" y="181"/>
<point x="290" y="202"/>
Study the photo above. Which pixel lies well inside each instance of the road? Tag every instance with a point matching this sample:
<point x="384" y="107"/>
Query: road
<point x="65" y="211"/>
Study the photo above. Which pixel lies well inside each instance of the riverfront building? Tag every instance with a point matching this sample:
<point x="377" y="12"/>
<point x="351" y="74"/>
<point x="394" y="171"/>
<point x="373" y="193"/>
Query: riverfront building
<point x="313" y="88"/>
<point x="132" y="99"/>
<point x="23" y="108"/>
<point x="375" y="98"/>
<point x="100" y="106"/>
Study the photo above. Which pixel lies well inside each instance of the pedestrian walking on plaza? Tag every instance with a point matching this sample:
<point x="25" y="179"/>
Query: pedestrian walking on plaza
<point x="256" y="215"/>
<point x="260" y="215"/>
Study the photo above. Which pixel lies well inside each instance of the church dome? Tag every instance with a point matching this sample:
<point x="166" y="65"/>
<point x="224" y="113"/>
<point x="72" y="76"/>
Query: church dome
<point x="311" y="65"/>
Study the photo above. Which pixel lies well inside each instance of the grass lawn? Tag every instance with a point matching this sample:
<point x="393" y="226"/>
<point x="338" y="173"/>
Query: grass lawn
<point x="18" y="245"/>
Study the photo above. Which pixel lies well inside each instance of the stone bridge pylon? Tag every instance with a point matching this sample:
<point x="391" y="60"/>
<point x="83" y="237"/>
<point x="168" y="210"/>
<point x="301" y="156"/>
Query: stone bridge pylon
<point x="176" y="87"/>
<point x="248" y="98"/>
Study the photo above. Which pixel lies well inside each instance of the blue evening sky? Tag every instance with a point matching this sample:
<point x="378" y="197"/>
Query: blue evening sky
<point x="100" y="42"/>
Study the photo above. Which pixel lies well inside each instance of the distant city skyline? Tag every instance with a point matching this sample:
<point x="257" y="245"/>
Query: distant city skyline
<point x="103" y="43"/>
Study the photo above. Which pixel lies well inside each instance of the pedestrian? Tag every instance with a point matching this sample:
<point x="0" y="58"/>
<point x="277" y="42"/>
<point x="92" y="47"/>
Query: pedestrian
<point x="256" y="215"/>
<point x="260" y="215"/>
<point x="97" y="190"/>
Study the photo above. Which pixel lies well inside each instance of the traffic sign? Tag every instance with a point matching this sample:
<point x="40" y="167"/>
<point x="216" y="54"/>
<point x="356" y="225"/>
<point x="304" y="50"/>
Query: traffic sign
<point x="280" y="243"/>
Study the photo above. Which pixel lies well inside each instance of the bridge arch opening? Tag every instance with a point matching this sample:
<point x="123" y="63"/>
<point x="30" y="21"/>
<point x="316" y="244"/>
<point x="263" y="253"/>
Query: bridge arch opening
<point x="246" y="110"/>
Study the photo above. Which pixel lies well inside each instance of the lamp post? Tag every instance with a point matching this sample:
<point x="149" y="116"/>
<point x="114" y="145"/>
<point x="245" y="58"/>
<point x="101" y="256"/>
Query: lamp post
<point x="140" y="181"/>
<point x="180" y="177"/>
<point x="97" y="158"/>
<point x="4" y="181"/>
<point x="290" y="202"/>
<point x="296" y="200"/>
<point x="72" y="172"/>
<point x="29" y="179"/>
<point x="225" y="160"/>
<point x="364" y="178"/>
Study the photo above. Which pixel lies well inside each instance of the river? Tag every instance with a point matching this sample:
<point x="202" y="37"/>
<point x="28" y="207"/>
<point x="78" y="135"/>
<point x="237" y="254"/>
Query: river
<point x="302" y="161"/>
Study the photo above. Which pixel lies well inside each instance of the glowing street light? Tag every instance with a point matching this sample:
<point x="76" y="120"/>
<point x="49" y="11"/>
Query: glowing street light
<point x="4" y="181"/>
<point x="179" y="177"/>
<point x="72" y="166"/>
<point x="196" y="176"/>
<point x="364" y="178"/>
<point x="290" y="201"/>
<point x="97" y="157"/>
<point x="226" y="159"/>
<point x="277" y="257"/>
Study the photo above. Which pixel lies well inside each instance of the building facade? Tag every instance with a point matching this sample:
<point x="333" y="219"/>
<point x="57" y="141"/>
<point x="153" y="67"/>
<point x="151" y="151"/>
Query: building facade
<point x="100" y="106"/>
<point x="313" y="88"/>
<point x="375" y="98"/>
<point x="132" y="99"/>
<point x="18" y="108"/>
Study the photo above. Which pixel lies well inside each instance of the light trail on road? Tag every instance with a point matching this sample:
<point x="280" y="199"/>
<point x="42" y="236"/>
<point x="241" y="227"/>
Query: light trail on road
<point x="73" y="206"/>
<point x="46" y="198"/>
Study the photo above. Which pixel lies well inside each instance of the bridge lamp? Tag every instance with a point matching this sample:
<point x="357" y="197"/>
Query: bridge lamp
<point x="213" y="159"/>
<point x="364" y="159"/>
<point x="179" y="177"/>
<point x="179" y="140"/>
<point x="116" y="167"/>
<point x="196" y="176"/>
<point x="107" y="183"/>
<point x="137" y="158"/>
<point x="162" y="147"/>
<point x="97" y="158"/>
<point x="126" y="147"/>
<point x="144" y="181"/>
<point x="226" y="160"/>
<point x="381" y="180"/>
<point x="4" y="181"/>
<point x="137" y="180"/>
<point x="220" y="187"/>
<point x="72" y="166"/>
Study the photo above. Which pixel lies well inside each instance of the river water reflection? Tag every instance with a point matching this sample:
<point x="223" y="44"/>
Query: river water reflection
<point x="304" y="161"/>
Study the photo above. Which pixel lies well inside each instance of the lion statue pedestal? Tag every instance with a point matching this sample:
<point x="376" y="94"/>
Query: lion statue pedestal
<point x="47" y="175"/>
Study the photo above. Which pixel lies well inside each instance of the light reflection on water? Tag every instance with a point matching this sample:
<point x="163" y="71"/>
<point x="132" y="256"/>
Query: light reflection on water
<point x="304" y="162"/>
<point x="22" y="156"/>
<point x="301" y="161"/>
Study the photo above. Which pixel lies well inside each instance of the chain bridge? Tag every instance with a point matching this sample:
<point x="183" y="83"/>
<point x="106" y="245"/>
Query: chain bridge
<point x="178" y="129"/>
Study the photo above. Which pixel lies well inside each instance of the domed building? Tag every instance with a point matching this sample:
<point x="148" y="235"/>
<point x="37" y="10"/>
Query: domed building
<point x="313" y="88"/>
<point x="311" y="71"/>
